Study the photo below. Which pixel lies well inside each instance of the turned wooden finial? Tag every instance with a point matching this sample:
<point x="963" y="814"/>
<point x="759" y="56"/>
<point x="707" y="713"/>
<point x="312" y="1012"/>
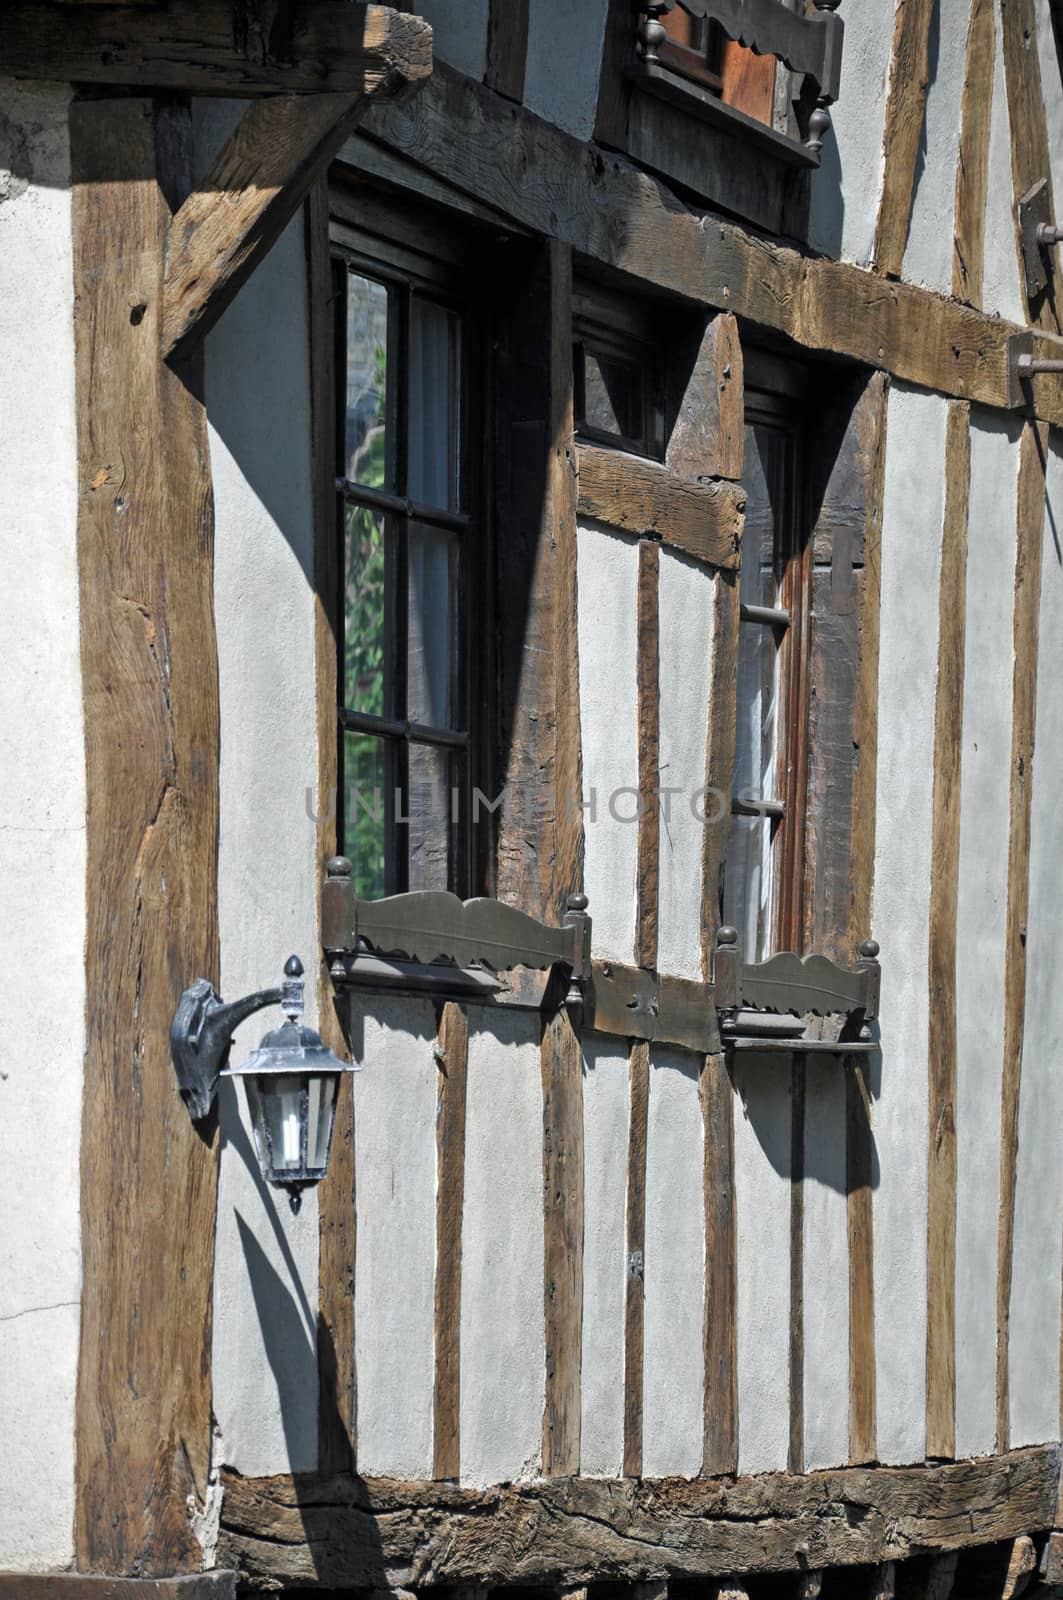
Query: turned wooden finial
<point x="869" y="949"/>
<point x="338" y="867"/>
<point x="726" y="936"/>
<point x="651" y="30"/>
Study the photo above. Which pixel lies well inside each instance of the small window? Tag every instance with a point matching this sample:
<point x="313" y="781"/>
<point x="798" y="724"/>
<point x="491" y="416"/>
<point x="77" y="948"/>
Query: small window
<point x="617" y="374"/>
<point x="699" y="50"/>
<point x="407" y="525"/>
<point x="764" y="872"/>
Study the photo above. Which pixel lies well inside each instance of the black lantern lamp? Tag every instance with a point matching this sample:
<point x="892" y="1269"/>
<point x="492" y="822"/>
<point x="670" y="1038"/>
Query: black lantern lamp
<point x="292" y="1078"/>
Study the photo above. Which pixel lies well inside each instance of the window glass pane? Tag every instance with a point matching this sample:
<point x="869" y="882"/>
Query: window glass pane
<point x="435" y="399"/>
<point x="612" y="395"/>
<point x="368" y="788"/>
<point x="367" y="383"/>
<point x="368" y="674"/>
<point x="428" y="809"/>
<point x="432" y="626"/>
<point x="747" y="885"/>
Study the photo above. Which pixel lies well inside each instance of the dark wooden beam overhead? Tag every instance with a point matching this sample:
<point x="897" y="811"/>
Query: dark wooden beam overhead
<point x="216" y="48"/>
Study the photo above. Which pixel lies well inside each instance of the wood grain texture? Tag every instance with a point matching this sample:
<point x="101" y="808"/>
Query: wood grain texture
<point x="859" y="1148"/>
<point x="621" y="217"/>
<point x="944" y="887"/>
<point x="232" y="220"/>
<point x="306" y="47"/>
<point x="719" y="762"/>
<point x="1031" y="517"/>
<point x="708" y="435"/>
<point x="337" y="1227"/>
<point x="149" y="664"/>
<point x="562" y="1075"/>
<point x="905" y="112"/>
<point x="1030" y="157"/>
<point x="78" y="1586"/>
<point x="972" y="167"/>
<point x="647" y="875"/>
<point x="562" y="509"/>
<point x="635" y="1297"/>
<point x="452" y="1075"/>
<point x="507" y="47"/>
<point x="720" y="1453"/>
<point x="336" y="1533"/>
<point x="796" y="1452"/>
<point x="704" y="520"/>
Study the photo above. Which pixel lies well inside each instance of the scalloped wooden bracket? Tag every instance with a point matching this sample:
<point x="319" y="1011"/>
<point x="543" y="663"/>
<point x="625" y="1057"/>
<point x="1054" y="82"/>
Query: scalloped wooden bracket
<point x="810" y="44"/>
<point x="758" y="998"/>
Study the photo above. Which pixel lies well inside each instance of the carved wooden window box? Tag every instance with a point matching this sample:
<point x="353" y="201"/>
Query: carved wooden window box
<point x="810" y="46"/>
<point x="808" y="1005"/>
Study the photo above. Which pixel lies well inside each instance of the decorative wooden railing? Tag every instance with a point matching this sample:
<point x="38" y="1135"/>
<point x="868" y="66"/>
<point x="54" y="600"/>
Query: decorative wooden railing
<point x="769" y="1005"/>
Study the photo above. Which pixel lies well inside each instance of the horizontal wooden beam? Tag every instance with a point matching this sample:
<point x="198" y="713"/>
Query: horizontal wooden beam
<point x="704" y="520"/>
<point x="235" y="215"/>
<point x="628" y="220"/>
<point x="310" y="46"/>
<point x="342" y="1532"/>
<point x="84" y="1586"/>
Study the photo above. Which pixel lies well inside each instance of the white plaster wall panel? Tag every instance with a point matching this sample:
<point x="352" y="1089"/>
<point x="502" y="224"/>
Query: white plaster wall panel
<point x="981" y="913"/>
<point x="1052" y="91"/>
<point x="395" y="1188"/>
<point x="911" y="563"/>
<point x="503" y="1354"/>
<point x="459" y="33"/>
<point x="928" y="254"/>
<point x="673" y="1401"/>
<point x="564" y="61"/>
<point x="826" y="1268"/>
<point x="608" y="590"/>
<point x="687" y="593"/>
<point x="762" y="1130"/>
<point x="42" y="832"/>
<point x="605" y="1145"/>
<point x="1037" y="1261"/>
<point x="847" y="185"/>
<point x="1001" y="290"/>
<point x="258" y="405"/>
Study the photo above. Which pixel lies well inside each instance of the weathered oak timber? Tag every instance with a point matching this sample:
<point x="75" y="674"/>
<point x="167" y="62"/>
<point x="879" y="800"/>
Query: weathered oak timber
<point x="972" y="168"/>
<point x="450" y="1202"/>
<point x="720" y="1447"/>
<point x="708" y="437"/>
<point x="647" y="875"/>
<point x="944" y="887"/>
<point x="507" y="47"/>
<point x="149" y="665"/>
<point x="623" y="218"/>
<point x="312" y="47"/>
<point x="704" y="520"/>
<point x="905" y="106"/>
<point x="858" y="1138"/>
<point x="1030" y="512"/>
<point x="562" y="1078"/>
<point x="340" y="1532"/>
<point x="635" y="1296"/>
<point x="80" y="1586"/>
<point x="1030" y="158"/>
<point x="235" y="215"/>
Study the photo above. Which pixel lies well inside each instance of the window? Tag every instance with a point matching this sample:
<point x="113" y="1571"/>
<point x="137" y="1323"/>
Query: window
<point x="617" y="373"/>
<point x="407" y="528"/>
<point x="699" y="50"/>
<point x="764" y="871"/>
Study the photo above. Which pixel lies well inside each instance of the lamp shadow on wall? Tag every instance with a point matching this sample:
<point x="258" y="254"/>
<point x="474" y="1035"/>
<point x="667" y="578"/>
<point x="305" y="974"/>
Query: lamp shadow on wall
<point x="296" y="1358"/>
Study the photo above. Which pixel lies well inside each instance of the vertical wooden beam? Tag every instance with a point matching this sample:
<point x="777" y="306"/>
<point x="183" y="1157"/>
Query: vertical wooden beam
<point x="972" y="168"/>
<point x="905" y="109"/>
<point x="858" y="1141"/>
<point x="708" y="436"/>
<point x="635" y="1301"/>
<point x="720" y="1452"/>
<point x="149" y="665"/>
<point x="647" y="879"/>
<point x="1031" y="517"/>
<point x="796" y="1457"/>
<point x="563" y="494"/>
<point x="1030" y="159"/>
<point x="562" y="1075"/>
<point x="337" y="1378"/>
<point x="944" y="885"/>
<point x="507" y="47"/>
<point x="453" y="1064"/>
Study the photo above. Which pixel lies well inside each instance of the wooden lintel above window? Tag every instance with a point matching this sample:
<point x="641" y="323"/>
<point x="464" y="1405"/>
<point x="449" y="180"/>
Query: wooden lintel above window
<point x="214" y="48"/>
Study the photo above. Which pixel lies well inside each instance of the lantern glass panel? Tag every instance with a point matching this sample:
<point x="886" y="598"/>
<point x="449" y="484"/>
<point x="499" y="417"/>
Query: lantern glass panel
<point x="282" y="1103"/>
<point x="322" y="1109"/>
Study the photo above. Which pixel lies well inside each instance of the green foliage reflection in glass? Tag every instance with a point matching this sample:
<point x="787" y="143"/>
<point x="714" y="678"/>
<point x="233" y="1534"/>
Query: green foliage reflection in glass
<point x="365" y="777"/>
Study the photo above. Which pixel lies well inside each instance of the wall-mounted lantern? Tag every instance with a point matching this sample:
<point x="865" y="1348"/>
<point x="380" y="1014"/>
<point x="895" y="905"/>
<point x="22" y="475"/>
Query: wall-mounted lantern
<point x="292" y="1078"/>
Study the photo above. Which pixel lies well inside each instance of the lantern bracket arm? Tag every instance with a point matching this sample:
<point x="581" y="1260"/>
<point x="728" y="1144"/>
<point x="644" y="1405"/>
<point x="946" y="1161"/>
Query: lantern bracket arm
<point x="201" y="1037"/>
